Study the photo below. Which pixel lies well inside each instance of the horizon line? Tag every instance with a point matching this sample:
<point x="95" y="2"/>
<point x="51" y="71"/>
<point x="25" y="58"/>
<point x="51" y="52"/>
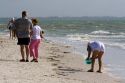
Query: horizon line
<point x="68" y="17"/>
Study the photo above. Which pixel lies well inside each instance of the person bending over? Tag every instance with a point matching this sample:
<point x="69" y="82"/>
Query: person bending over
<point x="97" y="49"/>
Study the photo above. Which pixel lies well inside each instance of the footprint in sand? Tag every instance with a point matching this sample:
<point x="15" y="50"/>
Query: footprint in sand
<point x="54" y="64"/>
<point x="52" y="59"/>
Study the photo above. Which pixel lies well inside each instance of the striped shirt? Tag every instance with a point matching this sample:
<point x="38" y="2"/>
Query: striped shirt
<point x="23" y="27"/>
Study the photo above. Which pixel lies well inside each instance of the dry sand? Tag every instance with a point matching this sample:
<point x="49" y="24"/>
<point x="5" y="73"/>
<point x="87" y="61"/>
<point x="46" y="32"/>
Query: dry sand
<point x="57" y="64"/>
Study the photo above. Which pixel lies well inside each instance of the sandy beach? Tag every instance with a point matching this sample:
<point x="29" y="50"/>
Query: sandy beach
<point x="57" y="64"/>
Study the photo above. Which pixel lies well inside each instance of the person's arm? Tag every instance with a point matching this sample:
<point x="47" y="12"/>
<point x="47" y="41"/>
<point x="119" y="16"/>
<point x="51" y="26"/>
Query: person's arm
<point x="8" y="25"/>
<point x="41" y="34"/>
<point x="31" y="28"/>
<point x="89" y="54"/>
<point x="89" y="51"/>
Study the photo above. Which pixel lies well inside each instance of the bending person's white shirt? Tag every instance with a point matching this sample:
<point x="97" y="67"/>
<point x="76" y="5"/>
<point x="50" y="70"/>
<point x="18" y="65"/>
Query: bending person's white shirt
<point x="97" y="45"/>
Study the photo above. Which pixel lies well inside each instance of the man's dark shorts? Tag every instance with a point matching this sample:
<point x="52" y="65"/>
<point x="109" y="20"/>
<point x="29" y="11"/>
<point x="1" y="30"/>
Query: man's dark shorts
<point x="23" y="41"/>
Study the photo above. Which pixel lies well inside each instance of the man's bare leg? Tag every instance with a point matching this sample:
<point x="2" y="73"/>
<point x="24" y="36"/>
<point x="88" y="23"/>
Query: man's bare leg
<point x="27" y="52"/>
<point x="22" y="52"/>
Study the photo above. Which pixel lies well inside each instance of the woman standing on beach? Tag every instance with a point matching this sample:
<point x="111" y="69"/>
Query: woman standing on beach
<point x="97" y="49"/>
<point x="11" y="28"/>
<point x="36" y="36"/>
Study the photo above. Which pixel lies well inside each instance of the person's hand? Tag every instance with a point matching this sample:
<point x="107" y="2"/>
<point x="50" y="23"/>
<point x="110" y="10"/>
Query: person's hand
<point x="87" y="58"/>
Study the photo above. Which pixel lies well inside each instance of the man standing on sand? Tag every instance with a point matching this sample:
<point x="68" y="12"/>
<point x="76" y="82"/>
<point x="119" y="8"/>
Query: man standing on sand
<point x="23" y="27"/>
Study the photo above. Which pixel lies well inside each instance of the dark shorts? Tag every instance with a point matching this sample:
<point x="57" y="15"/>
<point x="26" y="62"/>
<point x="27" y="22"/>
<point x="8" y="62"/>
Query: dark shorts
<point x="23" y="41"/>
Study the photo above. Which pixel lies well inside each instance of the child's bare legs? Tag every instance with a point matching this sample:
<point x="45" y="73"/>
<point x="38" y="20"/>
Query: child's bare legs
<point x="100" y="61"/>
<point x="94" y="56"/>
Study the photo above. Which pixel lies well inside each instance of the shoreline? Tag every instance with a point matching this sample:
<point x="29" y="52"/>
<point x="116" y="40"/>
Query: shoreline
<point x="79" y="48"/>
<point x="105" y="68"/>
<point x="57" y="63"/>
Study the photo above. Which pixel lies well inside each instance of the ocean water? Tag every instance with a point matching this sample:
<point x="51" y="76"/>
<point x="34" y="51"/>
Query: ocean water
<point x="77" y="32"/>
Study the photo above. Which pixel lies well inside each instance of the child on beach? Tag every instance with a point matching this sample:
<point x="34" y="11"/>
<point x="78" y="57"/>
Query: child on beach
<point x="36" y="35"/>
<point x="97" y="49"/>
